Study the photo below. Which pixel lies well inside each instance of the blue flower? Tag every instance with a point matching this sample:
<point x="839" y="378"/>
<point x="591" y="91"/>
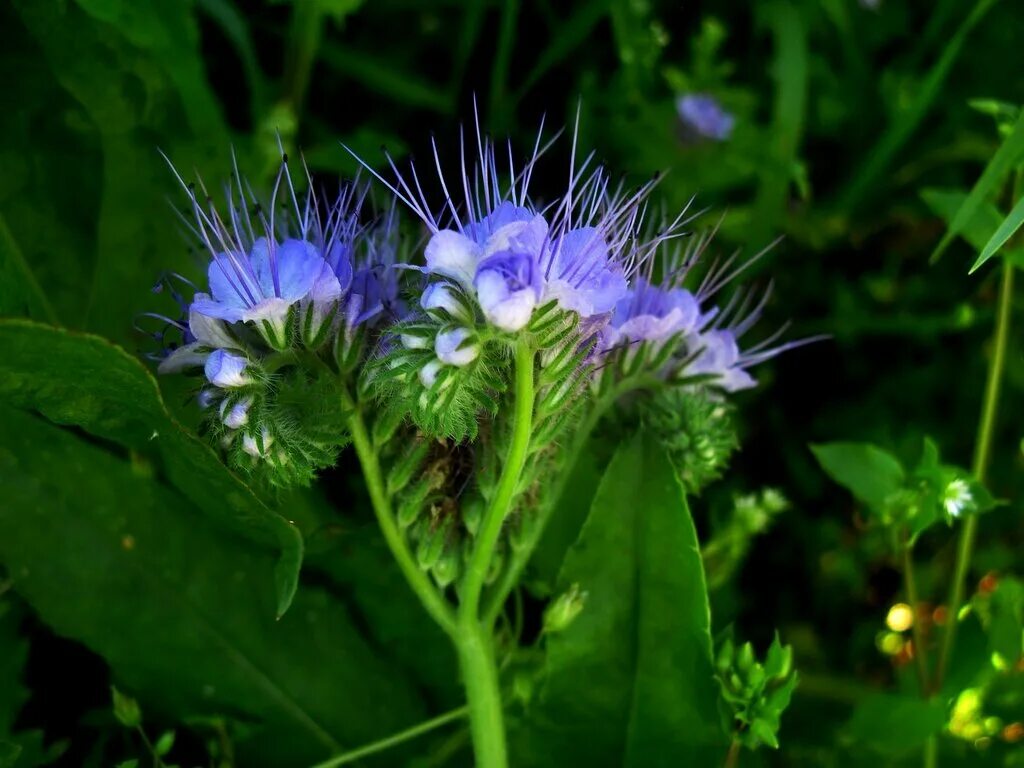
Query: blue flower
<point x="512" y="255"/>
<point x="652" y="313"/>
<point x="309" y="257"/>
<point x="263" y="284"/>
<point x="717" y="355"/>
<point x="703" y="115"/>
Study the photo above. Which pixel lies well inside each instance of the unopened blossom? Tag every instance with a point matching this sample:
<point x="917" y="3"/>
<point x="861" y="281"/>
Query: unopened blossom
<point x="703" y="116"/>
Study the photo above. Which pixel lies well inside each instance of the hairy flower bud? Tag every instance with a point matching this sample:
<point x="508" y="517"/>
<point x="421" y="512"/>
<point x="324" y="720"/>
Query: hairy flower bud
<point x="227" y="370"/>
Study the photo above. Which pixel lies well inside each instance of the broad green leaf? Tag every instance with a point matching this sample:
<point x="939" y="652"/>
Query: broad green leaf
<point x="630" y="681"/>
<point x="180" y="610"/>
<point x="83" y="380"/>
<point x="894" y="724"/>
<point x="1006" y="230"/>
<point x="865" y="470"/>
<point x="1001" y="164"/>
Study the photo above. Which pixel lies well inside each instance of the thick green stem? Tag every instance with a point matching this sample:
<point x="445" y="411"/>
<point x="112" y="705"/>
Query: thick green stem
<point x="483" y="692"/>
<point x="394" y="740"/>
<point x="432" y="600"/>
<point x="473" y="639"/>
<point x="982" y="455"/>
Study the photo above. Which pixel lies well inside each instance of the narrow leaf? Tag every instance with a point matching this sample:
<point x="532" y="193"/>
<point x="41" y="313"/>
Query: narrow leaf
<point x="1005" y="231"/>
<point x="1002" y="162"/>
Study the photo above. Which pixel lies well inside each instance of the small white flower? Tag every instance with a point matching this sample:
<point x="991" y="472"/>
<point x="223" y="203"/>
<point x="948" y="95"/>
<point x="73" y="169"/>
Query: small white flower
<point x="956" y="497"/>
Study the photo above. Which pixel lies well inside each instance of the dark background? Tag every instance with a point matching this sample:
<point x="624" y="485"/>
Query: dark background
<point x="845" y="115"/>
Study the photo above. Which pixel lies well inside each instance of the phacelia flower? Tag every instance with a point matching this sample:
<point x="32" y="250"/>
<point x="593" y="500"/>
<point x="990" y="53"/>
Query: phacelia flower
<point x="299" y="272"/>
<point x="512" y="256"/>
<point x="706" y="336"/>
<point x="703" y="117"/>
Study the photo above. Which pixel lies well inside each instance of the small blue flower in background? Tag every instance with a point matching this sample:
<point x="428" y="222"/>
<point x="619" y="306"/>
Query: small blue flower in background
<point x="703" y="117"/>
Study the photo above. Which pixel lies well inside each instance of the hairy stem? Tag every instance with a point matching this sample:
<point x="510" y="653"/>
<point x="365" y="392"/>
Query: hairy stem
<point x="432" y="600"/>
<point x="501" y="503"/>
<point x="394" y="740"/>
<point x="510" y="577"/>
<point x="982" y="455"/>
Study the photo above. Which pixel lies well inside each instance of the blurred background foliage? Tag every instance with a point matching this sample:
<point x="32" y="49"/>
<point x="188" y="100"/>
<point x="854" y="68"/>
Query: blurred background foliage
<point x="855" y="137"/>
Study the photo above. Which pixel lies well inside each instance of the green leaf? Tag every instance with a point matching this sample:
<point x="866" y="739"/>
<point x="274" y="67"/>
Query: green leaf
<point x="895" y="724"/>
<point x="1006" y="230"/>
<point x="1002" y="162"/>
<point x="977" y="230"/>
<point x="180" y="610"/>
<point x="868" y="472"/>
<point x="19" y="289"/>
<point x="126" y="709"/>
<point x="630" y="681"/>
<point x="83" y="380"/>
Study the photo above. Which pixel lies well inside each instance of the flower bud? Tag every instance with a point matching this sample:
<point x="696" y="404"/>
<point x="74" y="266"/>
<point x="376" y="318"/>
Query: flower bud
<point x="564" y="610"/>
<point x="414" y="342"/>
<point x="456" y="348"/>
<point x="428" y="373"/>
<point x="227" y="370"/>
<point x="443" y="296"/>
<point x="237" y="416"/>
<point x="257" y="448"/>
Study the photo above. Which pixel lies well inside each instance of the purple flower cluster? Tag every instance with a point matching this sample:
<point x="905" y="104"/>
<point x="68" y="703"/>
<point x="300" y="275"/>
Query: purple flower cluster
<point x="306" y="272"/>
<point x="498" y="250"/>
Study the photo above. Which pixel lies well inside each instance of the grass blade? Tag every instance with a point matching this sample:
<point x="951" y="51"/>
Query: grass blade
<point x="1005" y="231"/>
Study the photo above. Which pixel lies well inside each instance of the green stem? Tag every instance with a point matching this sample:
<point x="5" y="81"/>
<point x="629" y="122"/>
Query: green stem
<point x="732" y="757"/>
<point x="501" y="503"/>
<point x="483" y="692"/>
<point x="581" y="436"/>
<point x="931" y="752"/>
<point x="473" y="639"/>
<point x="982" y="455"/>
<point x="920" y="653"/>
<point x="394" y="740"/>
<point x="432" y="600"/>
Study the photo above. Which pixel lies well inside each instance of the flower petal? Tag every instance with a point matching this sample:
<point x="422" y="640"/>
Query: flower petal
<point x="453" y="255"/>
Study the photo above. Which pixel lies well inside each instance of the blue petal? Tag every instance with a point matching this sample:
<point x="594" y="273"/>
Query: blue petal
<point x="453" y="255"/>
<point x="506" y="213"/>
<point x="291" y="272"/>
<point x="229" y="282"/>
